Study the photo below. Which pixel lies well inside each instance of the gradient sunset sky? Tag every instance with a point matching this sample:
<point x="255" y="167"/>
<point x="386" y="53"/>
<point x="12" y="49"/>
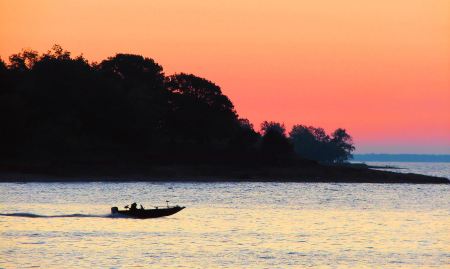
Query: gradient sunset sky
<point x="380" y="69"/>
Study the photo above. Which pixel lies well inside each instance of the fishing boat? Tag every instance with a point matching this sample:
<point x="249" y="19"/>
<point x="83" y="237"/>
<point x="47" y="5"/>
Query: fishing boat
<point x="142" y="213"/>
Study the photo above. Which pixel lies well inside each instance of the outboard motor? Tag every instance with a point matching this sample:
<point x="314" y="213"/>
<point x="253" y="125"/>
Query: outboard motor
<point x="114" y="210"/>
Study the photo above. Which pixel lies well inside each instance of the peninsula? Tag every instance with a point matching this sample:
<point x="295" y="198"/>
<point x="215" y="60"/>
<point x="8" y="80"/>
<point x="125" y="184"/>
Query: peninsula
<point x="64" y="118"/>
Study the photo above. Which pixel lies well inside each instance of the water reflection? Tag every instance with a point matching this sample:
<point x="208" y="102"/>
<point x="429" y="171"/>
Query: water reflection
<point x="227" y="225"/>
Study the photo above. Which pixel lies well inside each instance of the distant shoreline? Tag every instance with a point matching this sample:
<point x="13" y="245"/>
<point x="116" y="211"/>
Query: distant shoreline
<point x="381" y="157"/>
<point x="218" y="173"/>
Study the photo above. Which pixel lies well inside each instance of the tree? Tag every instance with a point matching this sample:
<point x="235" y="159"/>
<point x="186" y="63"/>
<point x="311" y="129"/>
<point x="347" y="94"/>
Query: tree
<point x="12" y="114"/>
<point x="55" y="89"/>
<point x="314" y="144"/>
<point x="200" y="113"/>
<point x="3" y="76"/>
<point x="245" y="139"/>
<point x="275" y="127"/>
<point x="134" y="71"/>
<point x="3" y="68"/>
<point x="23" y="60"/>
<point x="57" y="52"/>
<point x="342" y="145"/>
<point x="275" y="146"/>
<point x="138" y="84"/>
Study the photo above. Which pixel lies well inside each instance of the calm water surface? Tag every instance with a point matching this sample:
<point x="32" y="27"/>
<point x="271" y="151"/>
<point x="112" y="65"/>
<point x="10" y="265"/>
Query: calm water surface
<point x="429" y="168"/>
<point x="226" y="225"/>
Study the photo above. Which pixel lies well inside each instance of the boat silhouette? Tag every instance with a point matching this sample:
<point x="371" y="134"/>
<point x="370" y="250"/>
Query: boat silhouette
<point x="141" y="213"/>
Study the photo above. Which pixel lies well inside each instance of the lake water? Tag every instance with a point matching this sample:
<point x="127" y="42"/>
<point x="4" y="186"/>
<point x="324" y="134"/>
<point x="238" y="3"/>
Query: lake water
<point x="428" y="168"/>
<point x="227" y="225"/>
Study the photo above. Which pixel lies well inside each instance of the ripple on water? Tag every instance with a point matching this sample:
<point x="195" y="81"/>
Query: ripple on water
<point x="226" y="225"/>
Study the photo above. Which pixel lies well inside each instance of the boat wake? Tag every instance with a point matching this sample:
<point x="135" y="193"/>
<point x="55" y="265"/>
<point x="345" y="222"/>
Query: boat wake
<point x="31" y="215"/>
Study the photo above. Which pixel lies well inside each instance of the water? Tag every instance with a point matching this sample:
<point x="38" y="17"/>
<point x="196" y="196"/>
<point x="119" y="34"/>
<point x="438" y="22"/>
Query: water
<point x="425" y="168"/>
<point x="226" y="225"/>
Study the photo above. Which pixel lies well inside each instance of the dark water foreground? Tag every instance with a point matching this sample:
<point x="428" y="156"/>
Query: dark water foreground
<point x="212" y="173"/>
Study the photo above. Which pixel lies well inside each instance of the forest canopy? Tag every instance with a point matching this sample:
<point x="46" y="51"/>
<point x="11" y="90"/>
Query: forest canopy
<point x="54" y="106"/>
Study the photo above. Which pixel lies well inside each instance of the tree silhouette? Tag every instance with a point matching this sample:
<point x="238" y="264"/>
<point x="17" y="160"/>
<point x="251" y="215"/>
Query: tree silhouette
<point x="23" y="60"/>
<point x="342" y="145"/>
<point x="275" y="146"/>
<point x="200" y="114"/>
<point x="3" y="68"/>
<point x="55" y="107"/>
<point x="314" y="144"/>
<point x="134" y="71"/>
<point x="140" y="97"/>
<point x="246" y="138"/>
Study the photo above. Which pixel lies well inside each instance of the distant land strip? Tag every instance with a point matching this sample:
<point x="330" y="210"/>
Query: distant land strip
<point x="376" y="157"/>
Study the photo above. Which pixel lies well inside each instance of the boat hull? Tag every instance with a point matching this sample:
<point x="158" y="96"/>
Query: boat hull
<point x="148" y="213"/>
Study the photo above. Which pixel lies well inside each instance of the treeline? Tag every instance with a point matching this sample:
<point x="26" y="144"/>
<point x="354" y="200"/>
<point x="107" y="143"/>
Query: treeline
<point x="57" y="107"/>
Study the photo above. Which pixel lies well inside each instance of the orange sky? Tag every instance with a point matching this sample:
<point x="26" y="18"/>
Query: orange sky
<point x="380" y="69"/>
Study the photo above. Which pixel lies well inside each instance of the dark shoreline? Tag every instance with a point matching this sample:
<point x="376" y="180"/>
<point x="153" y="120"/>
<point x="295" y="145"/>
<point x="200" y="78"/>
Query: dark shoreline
<point x="215" y="173"/>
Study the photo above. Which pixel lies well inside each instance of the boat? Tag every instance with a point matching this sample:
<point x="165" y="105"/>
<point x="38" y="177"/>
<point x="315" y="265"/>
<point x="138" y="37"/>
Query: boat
<point x="141" y="213"/>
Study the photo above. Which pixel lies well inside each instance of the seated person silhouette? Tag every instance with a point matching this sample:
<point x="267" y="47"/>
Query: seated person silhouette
<point x="142" y="208"/>
<point x="133" y="207"/>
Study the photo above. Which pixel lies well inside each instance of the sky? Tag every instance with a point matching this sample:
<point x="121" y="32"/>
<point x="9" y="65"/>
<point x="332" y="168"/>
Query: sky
<point x="380" y="69"/>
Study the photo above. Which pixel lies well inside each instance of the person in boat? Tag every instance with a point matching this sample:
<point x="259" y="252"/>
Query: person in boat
<point x="133" y="207"/>
<point x="142" y="208"/>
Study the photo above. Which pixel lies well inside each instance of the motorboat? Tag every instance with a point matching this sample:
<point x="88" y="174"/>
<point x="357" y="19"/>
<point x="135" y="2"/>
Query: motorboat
<point x="141" y="213"/>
